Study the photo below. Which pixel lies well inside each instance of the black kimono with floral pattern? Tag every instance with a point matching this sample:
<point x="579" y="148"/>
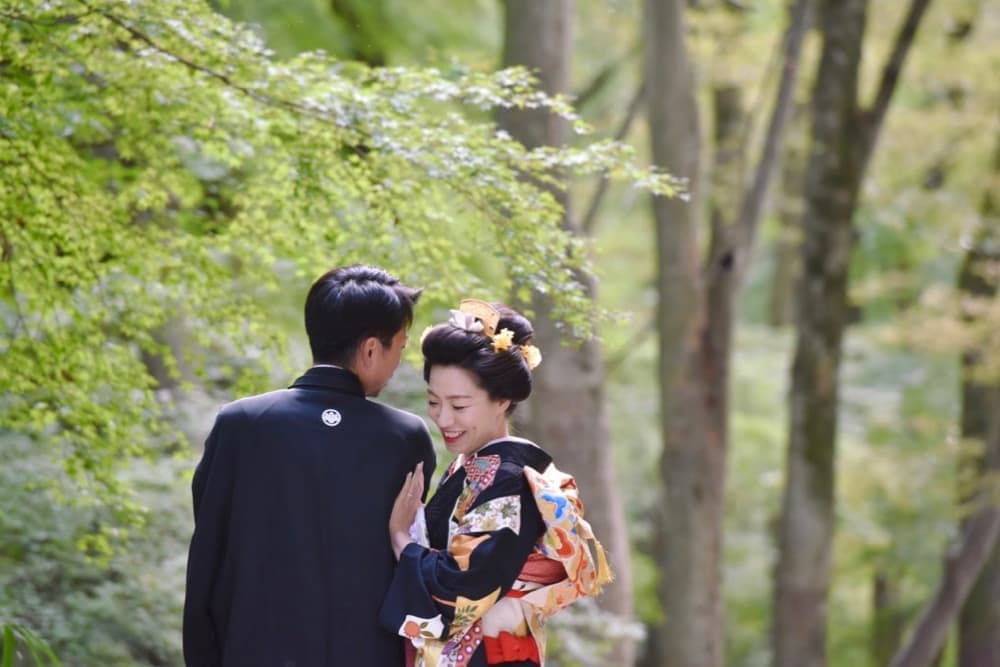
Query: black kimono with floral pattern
<point x="458" y="597"/>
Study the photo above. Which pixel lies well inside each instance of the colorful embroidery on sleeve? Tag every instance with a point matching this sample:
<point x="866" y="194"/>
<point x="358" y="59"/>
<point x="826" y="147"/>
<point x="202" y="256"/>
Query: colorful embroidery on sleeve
<point x="492" y="515"/>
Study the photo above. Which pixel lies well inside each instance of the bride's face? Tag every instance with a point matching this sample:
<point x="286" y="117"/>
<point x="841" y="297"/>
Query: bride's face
<point x="466" y="415"/>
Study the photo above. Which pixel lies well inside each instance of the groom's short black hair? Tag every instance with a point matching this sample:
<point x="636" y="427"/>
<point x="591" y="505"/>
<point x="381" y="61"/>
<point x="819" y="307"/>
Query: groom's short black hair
<point x="348" y="304"/>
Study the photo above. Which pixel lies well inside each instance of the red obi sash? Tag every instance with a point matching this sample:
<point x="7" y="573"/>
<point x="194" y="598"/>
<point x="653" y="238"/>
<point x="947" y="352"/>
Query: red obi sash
<point x="508" y="648"/>
<point x="541" y="570"/>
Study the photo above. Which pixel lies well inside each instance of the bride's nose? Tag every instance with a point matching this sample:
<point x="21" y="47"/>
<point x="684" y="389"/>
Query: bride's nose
<point x="445" y="416"/>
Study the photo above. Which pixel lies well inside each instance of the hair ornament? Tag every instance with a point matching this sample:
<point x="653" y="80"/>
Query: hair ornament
<point x="503" y="340"/>
<point x="466" y="322"/>
<point x="532" y="355"/>
<point x="482" y="311"/>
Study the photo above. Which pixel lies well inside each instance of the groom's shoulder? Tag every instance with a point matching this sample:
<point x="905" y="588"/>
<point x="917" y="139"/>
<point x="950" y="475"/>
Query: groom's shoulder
<point x="249" y="406"/>
<point x="398" y="417"/>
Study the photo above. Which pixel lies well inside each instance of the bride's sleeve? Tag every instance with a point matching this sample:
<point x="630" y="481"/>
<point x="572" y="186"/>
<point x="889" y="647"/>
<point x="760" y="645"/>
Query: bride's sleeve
<point x="437" y="594"/>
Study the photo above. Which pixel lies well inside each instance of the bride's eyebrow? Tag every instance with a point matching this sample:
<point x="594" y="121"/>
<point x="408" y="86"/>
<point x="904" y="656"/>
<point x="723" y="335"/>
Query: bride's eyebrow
<point x="450" y="397"/>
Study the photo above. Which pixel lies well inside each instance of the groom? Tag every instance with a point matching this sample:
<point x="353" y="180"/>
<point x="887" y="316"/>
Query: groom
<point x="290" y="557"/>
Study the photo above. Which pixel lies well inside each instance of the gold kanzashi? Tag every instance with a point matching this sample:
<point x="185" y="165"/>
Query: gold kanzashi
<point x="483" y="312"/>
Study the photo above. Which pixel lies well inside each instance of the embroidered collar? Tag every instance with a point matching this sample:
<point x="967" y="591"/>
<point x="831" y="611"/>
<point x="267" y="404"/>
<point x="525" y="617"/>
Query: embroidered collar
<point x="480" y="471"/>
<point x="463" y="462"/>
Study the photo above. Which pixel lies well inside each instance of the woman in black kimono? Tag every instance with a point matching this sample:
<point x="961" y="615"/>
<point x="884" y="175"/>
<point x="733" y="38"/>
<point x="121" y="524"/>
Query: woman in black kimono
<point x="506" y="544"/>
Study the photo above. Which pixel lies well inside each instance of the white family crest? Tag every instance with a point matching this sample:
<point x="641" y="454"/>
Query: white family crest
<point x="331" y="417"/>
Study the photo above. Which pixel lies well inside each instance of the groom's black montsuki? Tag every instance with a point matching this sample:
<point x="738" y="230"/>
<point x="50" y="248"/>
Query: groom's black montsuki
<point x="290" y="558"/>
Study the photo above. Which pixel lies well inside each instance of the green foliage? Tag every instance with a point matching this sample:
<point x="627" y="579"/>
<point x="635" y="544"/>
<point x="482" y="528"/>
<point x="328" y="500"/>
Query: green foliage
<point x="922" y="201"/>
<point x="897" y="483"/>
<point x="161" y="165"/>
<point x="397" y="31"/>
<point x="17" y="641"/>
<point x="123" y="609"/>
<point x="163" y="170"/>
<point x="755" y="472"/>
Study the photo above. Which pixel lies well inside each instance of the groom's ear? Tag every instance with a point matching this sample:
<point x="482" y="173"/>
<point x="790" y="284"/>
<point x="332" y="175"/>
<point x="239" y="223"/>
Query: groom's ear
<point x="365" y="354"/>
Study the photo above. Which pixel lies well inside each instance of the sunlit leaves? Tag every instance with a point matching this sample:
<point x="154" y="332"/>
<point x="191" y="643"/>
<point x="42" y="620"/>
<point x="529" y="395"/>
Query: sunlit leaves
<point x="160" y="165"/>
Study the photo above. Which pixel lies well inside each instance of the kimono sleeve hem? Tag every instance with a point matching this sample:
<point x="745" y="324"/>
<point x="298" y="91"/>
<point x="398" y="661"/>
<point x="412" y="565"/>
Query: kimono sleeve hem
<point x="408" y="598"/>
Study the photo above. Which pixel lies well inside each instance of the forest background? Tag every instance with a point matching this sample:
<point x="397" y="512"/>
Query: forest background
<point x="784" y="410"/>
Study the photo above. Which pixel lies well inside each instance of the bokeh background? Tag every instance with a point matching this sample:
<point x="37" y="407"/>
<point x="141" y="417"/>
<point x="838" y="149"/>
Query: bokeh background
<point x="779" y="388"/>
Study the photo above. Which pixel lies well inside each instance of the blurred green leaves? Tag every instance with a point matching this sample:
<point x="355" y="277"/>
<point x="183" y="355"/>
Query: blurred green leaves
<point x="17" y="636"/>
<point x="160" y="165"/>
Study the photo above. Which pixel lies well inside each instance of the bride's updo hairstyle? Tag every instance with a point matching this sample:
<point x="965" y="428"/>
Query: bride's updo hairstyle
<point x="503" y="371"/>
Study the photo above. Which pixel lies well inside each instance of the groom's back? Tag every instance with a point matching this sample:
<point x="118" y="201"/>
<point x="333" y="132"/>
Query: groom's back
<point x="292" y="503"/>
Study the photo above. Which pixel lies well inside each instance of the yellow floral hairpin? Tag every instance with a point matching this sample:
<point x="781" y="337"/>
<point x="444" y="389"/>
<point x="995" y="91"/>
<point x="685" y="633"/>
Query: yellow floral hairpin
<point x="503" y="340"/>
<point x="532" y="355"/>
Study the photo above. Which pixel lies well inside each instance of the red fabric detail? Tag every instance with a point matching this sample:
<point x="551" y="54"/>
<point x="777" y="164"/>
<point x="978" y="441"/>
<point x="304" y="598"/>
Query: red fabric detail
<point x="541" y="570"/>
<point x="411" y="654"/>
<point x="481" y="470"/>
<point x="508" y="648"/>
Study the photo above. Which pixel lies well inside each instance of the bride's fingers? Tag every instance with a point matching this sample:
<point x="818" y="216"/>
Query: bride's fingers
<point x="411" y="493"/>
<point x="417" y="481"/>
<point x="404" y="491"/>
<point x="404" y="509"/>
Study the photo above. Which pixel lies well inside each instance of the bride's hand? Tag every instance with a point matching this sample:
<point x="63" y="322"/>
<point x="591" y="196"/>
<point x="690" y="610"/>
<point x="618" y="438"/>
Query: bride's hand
<point x="404" y="510"/>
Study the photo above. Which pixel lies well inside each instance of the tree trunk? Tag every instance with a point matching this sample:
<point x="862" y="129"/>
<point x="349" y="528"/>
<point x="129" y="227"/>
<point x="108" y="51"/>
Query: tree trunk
<point x="570" y="416"/>
<point x="979" y="622"/>
<point x="695" y="319"/>
<point x="843" y="139"/>
<point x="833" y="177"/>
<point x="688" y="528"/>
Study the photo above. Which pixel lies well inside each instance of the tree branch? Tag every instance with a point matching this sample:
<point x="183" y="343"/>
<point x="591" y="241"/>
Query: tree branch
<point x="618" y="357"/>
<point x="756" y="107"/>
<point x="602" y="78"/>
<point x="961" y="568"/>
<point x="752" y="206"/>
<point x="190" y="64"/>
<point x="59" y="20"/>
<point x="590" y="219"/>
<point x="890" y="76"/>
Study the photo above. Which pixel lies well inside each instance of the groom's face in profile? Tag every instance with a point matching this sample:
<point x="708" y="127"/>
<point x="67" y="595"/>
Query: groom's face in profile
<point x="383" y="363"/>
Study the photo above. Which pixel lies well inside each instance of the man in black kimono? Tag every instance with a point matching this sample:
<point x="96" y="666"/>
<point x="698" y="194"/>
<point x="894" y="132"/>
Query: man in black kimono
<point x="290" y="557"/>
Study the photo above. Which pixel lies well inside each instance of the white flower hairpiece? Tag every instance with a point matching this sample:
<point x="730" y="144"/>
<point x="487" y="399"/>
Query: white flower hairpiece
<point x="465" y="321"/>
